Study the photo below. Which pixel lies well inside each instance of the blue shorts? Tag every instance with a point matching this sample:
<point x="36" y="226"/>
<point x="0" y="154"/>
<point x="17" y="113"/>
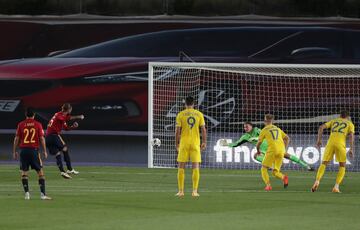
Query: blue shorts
<point x="30" y="157"/>
<point x="54" y="143"/>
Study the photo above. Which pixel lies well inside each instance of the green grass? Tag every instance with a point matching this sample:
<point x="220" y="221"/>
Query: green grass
<point x="139" y="198"/>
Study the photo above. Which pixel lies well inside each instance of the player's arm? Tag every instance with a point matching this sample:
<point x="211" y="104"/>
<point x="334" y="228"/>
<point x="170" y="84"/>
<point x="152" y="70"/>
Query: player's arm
<point x="203" y="132"/>
<point x="286" y="139"/>
<point x="42" y="140"/>
<point x="242" y="140"/>
<point x="260" y="141"/>
<point x="351" y="140"/>
<point x="177" y="137"/>
<point x="73" y="126"/>
<point x="81" y="117"/>
<point x="204" y="137"/>
<point x="320" y="133"/>
<point x="258" y="147"/>
<point x="15" y="145"/>
<point x="177" y="131"/>
<point x="43" y="145"/>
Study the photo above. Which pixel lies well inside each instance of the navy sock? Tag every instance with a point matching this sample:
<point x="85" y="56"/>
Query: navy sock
<point x="67" y="159"/>
<point x="59" y="163"/>
<point x="25" y="183"/>
<point x="42" y="185"/>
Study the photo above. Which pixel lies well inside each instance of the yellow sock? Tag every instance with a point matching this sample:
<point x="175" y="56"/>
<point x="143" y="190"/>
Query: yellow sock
<point x="265" y="175"/>
<point x="195" y="178"/>
<point x="340" y="175"/>
<point x="278" y="174"/>
<point x="181" y="179"/>
<point x="320" y="172"/>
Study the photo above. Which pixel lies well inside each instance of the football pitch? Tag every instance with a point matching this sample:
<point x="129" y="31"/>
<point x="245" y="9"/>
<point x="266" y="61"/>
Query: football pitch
<point x="141" y="198"/>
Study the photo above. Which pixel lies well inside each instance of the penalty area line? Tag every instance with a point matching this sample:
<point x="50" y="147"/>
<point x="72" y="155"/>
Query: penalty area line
<point x="114" y="190"/>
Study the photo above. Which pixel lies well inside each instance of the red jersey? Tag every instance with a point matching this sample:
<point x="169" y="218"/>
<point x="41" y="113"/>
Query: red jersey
<point x="58" y="123"/>
<point x="29" y="132"/>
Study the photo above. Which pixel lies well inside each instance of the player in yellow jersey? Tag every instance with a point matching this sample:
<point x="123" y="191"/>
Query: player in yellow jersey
<point x="340" y="128"/>
<point x="187" y="137"/>
<point x="277" y="141"/>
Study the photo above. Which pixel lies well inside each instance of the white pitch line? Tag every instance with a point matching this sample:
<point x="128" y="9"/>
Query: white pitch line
<point x="170" y="191"/>
<point x="255" y="175"/>
<point x="159" y="191"/>
<point x="78" y="187"/>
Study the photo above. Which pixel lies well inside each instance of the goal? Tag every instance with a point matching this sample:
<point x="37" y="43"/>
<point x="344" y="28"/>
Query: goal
<point x="301" y="97"/>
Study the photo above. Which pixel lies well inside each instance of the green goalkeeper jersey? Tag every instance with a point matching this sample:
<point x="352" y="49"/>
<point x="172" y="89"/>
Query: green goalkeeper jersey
<point x="252" y="138"/>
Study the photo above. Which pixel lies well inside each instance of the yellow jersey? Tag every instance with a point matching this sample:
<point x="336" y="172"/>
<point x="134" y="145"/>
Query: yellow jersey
<point x="190" y="120"/>
<point x="274" y="137"/>
<point x="339" y="129"/>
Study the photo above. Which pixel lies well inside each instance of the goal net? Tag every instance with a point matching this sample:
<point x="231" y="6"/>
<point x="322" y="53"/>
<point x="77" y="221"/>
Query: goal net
<point x="301" y="97"/>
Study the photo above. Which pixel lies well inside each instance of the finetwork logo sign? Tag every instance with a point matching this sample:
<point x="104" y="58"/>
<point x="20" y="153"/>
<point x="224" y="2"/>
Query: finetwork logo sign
<point x="245" y="154"/>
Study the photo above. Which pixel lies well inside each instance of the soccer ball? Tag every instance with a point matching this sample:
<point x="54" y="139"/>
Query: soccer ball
<point x="156" y="142"/>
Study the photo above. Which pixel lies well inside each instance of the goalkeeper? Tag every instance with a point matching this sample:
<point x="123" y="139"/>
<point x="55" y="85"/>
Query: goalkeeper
<point x="252" y="135"/>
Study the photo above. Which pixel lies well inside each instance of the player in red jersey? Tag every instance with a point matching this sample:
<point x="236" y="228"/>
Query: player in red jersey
<point x="29" y="135"/>
<point x="56" y="144"/>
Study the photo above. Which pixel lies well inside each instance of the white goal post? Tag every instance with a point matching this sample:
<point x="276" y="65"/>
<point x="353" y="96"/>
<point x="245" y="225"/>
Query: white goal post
<point x="301" y="96"/>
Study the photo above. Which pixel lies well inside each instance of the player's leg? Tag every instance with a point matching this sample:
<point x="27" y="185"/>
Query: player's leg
<point x="55" y="146"/>
<point x="260" y="158"/>
<point x="265" y="177"/>
<point x="340" y="155"/>
<point x="339" y="177"/>
<point x="25" y="184"/>
<point x="266" y="164"/>
<point x="24" y="167"/>
<point x="276" y="173"/>
<point x="65" y="152"/>
<point x="67" y="159"/>
<point x="298" y="161"/>
<point x="319" y="175"/>
<point x="195" y="157"/>
<point x="37" y="165"/>
<point x="183" y="157"/>
<point x="181" y="179"/>
<point x="277" y="170"/>
<point x="58" y="146"/>
<point x="195" y="178"/>
<point x="41" y="176"/>
<point x="328" y="156"/>
<point x="59" y="163"/>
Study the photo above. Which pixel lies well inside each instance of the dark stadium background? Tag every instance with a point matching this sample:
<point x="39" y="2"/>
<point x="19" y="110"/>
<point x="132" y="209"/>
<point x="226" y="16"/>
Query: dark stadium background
<point x="37" y="36"/>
